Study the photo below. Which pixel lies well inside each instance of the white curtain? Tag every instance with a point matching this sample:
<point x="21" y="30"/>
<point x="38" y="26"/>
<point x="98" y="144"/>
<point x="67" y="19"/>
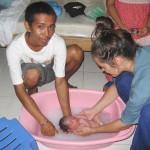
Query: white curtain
<point x="9" y="18"/>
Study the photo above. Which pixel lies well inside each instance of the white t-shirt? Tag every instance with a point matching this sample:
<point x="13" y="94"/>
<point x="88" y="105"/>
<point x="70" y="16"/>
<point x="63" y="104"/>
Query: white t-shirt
<point x="18" y="52"/>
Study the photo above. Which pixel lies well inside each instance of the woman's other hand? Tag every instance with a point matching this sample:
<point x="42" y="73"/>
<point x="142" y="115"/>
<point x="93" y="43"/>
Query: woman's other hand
<point x="87" y="114"/>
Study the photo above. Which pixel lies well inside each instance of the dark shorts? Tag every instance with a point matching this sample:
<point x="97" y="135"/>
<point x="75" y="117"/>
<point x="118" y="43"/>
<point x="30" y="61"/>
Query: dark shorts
<point x="47" y="72"/>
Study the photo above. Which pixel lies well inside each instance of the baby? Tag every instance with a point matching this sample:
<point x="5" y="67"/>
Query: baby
<point x="70" y="123"/>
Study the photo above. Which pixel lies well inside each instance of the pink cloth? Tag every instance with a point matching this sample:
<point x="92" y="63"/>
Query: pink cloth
<point x="109" y="77"/>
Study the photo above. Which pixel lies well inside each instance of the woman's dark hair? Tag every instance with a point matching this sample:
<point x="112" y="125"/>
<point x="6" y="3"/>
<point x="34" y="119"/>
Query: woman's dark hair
<point x="37" y="8"/>
<point x="111" y="43"/>
<point x="102" y="23"/>
<point x="62" y="124"/>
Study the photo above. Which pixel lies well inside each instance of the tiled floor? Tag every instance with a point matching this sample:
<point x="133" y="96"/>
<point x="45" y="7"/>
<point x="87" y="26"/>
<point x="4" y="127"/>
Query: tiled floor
<point x="89" y="76"/>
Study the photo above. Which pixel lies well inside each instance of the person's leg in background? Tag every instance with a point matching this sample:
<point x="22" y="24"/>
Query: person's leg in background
<point x="141" y="139"/>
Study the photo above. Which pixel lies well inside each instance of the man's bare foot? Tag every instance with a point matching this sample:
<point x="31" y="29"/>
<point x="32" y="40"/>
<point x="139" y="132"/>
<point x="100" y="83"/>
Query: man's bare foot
<point x="33" y="90"/>
<point x="71" y="86"/>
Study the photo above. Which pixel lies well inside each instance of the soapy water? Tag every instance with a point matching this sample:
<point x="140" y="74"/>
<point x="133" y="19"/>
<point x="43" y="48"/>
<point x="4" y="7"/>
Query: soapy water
<point x="55" y="115"/>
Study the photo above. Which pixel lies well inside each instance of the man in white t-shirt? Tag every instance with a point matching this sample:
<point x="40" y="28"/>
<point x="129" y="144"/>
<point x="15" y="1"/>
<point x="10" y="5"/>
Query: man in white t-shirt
<point x="40" y="56"/>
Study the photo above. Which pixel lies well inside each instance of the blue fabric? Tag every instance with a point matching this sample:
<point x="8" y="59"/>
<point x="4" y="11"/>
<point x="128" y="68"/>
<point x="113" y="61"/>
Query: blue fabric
<point x="135" y="92"/>
<point x="139" y="95"/>
<point x="14" y="136"/>
<point x="123" y="84"/>
<point x="2" y="7"/>
<point x="141" y="139"/>
<point x="108" y="84"/>
<point x="56" y="7"/>
<point x="6" y="3"/>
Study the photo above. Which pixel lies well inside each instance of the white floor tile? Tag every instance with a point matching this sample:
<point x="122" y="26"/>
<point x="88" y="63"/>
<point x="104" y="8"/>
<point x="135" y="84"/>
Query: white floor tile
<point x="10" y="107"/>
<point x="94" y="81"/>
<point x="3" y="60"/>
<point x="89" y="64"/>
<point x="6" y="87"/>
<point x="77" y="79"/>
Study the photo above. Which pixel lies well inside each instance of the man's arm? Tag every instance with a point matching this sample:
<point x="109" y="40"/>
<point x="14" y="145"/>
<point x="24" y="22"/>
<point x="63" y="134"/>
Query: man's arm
<point x="47" y="127"/>
<point x="63" y="95"/>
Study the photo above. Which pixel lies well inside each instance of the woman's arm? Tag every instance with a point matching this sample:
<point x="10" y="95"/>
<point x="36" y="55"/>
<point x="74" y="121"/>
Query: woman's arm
<point x="109" y="96"/>
<point x="111" y="8"/>
<point x="111" y="127"/>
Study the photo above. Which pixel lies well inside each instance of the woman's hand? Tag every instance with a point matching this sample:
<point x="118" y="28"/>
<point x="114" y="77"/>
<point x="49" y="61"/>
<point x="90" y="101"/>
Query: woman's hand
<point x="87" y="114"/>
<point x="48" y="129"/>
<point x="84" y="131"/>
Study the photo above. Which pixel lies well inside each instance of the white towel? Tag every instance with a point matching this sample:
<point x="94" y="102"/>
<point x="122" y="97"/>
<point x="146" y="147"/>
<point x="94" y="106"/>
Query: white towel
<point x="9" y="18"/>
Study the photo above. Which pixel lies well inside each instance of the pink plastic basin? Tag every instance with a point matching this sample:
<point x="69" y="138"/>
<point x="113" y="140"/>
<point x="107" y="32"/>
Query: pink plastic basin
<point x="79" y="100"/>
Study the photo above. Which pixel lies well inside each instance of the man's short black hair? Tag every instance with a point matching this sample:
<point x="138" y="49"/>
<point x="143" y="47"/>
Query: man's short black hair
<point x="62" y="124"/>
<point x="38" y="8"/>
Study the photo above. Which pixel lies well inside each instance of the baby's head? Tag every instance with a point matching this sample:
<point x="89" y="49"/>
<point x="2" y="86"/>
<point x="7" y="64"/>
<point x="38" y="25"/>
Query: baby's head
<point x="68" y="123"/>
<point x="102" y="23"/>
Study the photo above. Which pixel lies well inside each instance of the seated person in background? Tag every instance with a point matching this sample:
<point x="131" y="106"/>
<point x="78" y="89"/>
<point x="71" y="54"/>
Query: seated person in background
<point x="103" y="23"/>
<point x="71" y="123"/>
<point x="132" y="16"/>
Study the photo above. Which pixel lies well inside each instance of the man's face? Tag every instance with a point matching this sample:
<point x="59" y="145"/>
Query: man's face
<point x="42" y="29"/>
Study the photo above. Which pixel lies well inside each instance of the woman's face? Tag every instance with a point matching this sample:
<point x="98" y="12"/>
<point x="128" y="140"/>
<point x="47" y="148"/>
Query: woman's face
<point x="105" y="67"/>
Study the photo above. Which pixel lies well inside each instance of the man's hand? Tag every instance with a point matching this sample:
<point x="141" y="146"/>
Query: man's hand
<point x="48" y="129"/>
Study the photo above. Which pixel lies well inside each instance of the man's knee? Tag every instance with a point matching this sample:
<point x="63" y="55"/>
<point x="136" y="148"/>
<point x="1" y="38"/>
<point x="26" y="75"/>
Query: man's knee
<point x="32" y="77"/>
<point x="75" y="52"/>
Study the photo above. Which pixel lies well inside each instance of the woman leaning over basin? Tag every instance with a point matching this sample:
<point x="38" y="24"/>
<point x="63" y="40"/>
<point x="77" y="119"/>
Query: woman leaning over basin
<point x="117" y="54"/>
